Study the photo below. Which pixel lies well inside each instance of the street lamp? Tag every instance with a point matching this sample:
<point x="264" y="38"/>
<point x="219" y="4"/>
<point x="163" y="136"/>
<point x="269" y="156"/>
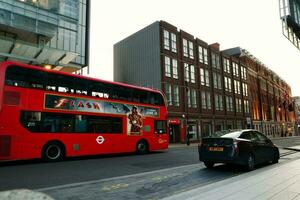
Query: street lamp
<point x="186" y="105"/>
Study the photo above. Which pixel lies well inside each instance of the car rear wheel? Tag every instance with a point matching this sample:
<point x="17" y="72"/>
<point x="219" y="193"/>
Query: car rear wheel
<point x="250" y="162"/>
<point x="209" y="165"/>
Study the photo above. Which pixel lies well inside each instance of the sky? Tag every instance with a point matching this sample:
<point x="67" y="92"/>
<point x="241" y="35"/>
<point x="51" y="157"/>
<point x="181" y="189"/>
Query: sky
<point x="254" y="25"/>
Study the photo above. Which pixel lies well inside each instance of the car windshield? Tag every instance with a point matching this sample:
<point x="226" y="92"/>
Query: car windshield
<point x="227" y="134"/>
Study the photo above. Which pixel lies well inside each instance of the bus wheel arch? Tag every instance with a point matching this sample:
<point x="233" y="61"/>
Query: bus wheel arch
<point x="142" y="146"/>
<point x="53" y="151"/>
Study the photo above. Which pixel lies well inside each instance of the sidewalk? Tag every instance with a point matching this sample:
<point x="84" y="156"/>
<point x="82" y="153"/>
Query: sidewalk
<point x="275" y="182"/>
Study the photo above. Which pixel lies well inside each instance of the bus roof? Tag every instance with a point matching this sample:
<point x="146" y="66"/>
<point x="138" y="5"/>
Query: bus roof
<point x="8" y="63"/>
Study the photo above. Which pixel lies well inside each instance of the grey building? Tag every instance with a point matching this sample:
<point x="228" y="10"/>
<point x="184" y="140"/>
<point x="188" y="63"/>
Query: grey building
<point x="137" y="58"/>
<point x="45" y="32"/>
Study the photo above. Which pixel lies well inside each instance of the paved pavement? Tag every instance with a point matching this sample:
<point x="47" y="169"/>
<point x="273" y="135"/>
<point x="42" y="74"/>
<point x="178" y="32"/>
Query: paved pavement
<point x="278" y="182"/>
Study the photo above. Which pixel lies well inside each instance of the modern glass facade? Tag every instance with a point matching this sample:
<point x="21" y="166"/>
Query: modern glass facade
<point x="40" y="32"/>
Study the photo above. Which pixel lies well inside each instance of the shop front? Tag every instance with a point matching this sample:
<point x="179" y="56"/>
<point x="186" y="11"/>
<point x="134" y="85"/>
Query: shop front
<point x="175" y="130"/>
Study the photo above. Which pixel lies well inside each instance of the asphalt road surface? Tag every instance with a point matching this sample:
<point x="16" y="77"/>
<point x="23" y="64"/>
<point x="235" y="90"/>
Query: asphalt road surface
<point x="153" y="176"/>
<point x="36" y="174"/>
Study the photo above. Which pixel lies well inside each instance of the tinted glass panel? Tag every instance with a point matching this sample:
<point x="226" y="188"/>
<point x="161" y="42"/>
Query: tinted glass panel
<point x="23" y="77"/>
<point x="160" y="126"/>
<point x="68" y="123"/>
<point x="246" y="136"/>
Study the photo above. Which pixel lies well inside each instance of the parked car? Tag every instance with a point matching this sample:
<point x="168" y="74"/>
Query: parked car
<point x="244" y="147"/>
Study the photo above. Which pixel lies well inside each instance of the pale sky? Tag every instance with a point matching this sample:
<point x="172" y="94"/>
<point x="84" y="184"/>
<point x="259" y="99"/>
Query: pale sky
<point x="251" y="24"/>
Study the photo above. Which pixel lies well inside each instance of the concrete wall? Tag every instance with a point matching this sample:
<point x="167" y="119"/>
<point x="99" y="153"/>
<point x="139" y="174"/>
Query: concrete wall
<point x="137" y="58"/>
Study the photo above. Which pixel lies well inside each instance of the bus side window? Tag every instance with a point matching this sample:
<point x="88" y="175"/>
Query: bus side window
<point x="63" y="89"/>
<point x="50" y="88"/>
<point x="160" y="126"/>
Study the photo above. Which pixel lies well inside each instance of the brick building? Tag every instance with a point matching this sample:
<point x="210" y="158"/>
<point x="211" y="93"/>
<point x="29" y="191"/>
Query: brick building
<point x="207" y="90"/>
<point x="273" y="109"/>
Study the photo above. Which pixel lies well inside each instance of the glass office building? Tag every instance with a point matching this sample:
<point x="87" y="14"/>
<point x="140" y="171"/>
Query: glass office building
<point x="41" y="32"/>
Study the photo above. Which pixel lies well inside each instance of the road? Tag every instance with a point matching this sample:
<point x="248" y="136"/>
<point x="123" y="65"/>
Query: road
<point x="36" y="174"/>
<point x="155" y="175"/>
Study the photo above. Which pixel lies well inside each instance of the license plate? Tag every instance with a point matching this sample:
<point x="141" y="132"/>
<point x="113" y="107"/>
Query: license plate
<point x="215" y="149"/>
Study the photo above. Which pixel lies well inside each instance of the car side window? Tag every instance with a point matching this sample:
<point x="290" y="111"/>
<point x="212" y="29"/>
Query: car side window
<point x="254" y="136"/>
<point x="246" y="135"/>
<point x="261" y="137"/>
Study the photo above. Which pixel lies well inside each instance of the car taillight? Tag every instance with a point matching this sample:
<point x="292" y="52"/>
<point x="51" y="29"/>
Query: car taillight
<point x="5" y="143"/>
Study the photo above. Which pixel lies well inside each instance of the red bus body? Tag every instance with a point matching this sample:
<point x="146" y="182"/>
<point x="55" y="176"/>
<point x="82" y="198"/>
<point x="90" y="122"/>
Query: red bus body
<point x="18" y="142"/>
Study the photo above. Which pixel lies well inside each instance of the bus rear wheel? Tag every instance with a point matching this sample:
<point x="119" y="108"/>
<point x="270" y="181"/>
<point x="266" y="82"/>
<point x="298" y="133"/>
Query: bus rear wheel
<point x="142" y="147"/>
<point x="53" y="151"/>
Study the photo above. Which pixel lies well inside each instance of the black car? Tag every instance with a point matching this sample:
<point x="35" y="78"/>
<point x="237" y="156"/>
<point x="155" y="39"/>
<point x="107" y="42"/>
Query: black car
<point x="244" y="147"/>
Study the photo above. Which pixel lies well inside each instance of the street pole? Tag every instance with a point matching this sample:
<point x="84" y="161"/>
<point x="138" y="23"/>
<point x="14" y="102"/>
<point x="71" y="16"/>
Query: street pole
<point x="187" y="120"/>
<point x="187" y="108"/>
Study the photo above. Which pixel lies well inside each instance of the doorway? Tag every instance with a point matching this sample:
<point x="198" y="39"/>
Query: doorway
<point x="175" y="133"/>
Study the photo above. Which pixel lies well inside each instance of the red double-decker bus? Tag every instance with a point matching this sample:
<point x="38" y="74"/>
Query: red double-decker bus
<point x="51" y="115"/>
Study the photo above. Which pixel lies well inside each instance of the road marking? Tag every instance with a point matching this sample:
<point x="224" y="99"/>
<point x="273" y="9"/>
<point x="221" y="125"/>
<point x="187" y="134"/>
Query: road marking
<point x="161" y="178"/>
<point x="114" y="187"/>
<point x="114" y="178"/>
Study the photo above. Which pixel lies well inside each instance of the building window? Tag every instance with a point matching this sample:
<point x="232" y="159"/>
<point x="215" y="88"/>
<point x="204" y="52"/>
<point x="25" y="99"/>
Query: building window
<point x="186" y="72"/>
<point x="167" y="67"/>
<point x="238" y="105"/>
<point x="192" y="68"/>
<point x="175" y="68"/>
<point x="235" y="67"/>
<point x="229" y="104"/>
<point x="246" y="106"/>
<point x="226" y="65"/>
<point x="245" y="89"/>
<point x="173" y="42"/>
<point x="237" y="87"/>
<point x="218" y="102"/>
<point x="205" y="56"/>
<point x="204" y="77"/>
<point x="189" y="73"/>
<point x="207" y="78"/>
<point x="176" y="95"/>
<point x="227" y="82"/>
<point x="188" y="96"/>
<point x="205" y="99"/>
<point x="215" y="60"/>
<point x="194" y="98"/>
<point x="169" y="94"/>
<point x="217" y="81"/>
<point x="166" y="40"/>
<point x="185" y="47"/>
<point x="191" y="50"/>
<point x="244" y="73"/>
<point x="188" y="48"/>
<point x="200" y="54"/>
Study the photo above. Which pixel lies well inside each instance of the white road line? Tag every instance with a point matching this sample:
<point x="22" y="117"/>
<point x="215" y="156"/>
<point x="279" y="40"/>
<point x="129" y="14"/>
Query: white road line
<point x="113" y="178"/>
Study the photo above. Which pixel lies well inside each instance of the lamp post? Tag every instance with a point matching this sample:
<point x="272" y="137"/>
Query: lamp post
<point x="186" y="105"/>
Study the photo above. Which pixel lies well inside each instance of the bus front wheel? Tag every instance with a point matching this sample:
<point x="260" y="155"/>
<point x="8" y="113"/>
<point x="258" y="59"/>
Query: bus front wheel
<point x="53" y="151"/>
<point x="142" y="147"/>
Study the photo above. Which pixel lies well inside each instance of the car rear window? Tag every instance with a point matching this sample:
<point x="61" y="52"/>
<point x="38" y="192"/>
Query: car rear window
<point x="227" y="134"/>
